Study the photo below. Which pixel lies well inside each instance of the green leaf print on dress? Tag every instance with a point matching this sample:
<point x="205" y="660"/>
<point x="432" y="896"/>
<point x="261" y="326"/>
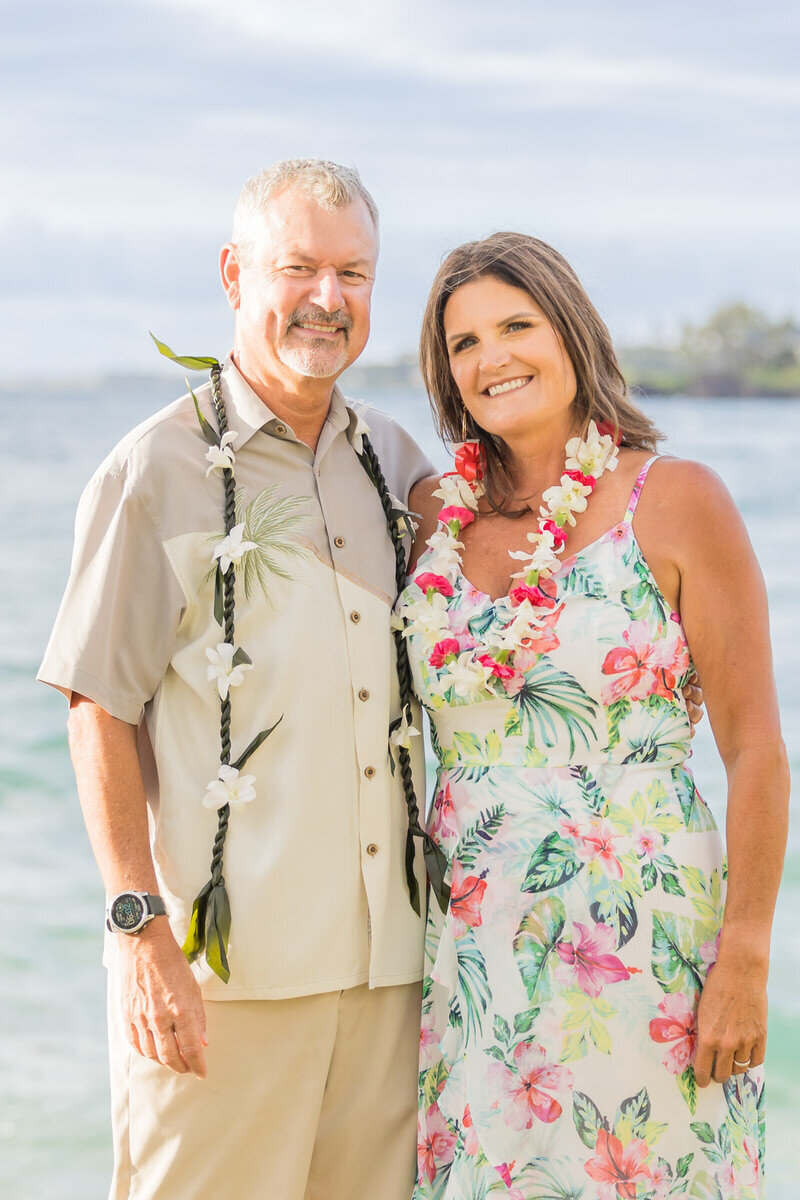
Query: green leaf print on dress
<point x="549" y="701"/>
<point x="534" y="944"/>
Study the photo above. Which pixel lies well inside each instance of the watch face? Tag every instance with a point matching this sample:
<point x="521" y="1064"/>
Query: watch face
<point x="127" y="911"/>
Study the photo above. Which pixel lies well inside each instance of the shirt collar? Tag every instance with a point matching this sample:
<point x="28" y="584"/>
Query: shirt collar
<point x="248" y="413"/>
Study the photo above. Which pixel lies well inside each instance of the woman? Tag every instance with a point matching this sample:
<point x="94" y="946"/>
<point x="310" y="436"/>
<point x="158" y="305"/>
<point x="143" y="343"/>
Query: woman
<point x="575" y="1040"/>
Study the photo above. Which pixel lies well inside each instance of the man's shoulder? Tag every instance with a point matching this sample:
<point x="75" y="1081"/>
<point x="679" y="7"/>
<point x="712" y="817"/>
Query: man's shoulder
<point x="386" y="433"/>
<point x="159" y="442"/>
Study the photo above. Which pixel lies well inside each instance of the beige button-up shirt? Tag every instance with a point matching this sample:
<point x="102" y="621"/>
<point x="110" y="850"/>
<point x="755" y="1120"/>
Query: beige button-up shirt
<point x="314" y="865"/>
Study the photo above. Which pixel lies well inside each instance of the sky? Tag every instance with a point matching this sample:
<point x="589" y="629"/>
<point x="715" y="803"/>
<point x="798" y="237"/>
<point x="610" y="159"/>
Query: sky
<point x="655" y="144"/>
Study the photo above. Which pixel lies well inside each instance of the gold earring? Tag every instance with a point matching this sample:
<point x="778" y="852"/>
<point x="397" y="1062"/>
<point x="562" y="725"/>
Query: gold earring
<point x="463" y="422"/>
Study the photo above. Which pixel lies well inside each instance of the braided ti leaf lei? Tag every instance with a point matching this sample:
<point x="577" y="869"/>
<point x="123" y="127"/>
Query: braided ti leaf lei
<point x="209" y="928"/>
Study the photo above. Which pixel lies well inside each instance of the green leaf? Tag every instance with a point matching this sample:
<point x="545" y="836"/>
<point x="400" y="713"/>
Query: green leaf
<point x="525" y="1021"/>
<point x="649" y="876"/>
<point x="672" y="884"/>
<point x="673" y="947"/>
<point x="241" y="657"/>
<point x="472" y="985"/>
<point x="553" y="862"/>
<point x="433" y="1081"/>
<point x="592" y="793"/>
<point x="703" y="1131"/>
<point x="534" y="941"/>
<point x="616" y="907"/>
<point x="190" y="362"/>
<point x="705" y="1187"/>
<point x="688" y="1089"/>
<point x="550" y="703"/>
<point x="196" y="935"/>
<point x="468" y="745"/>
<point x="495" y="1052"/>
<point x="219" y="596"/>
<point x="256" y="742"/>
<point x="218" y="929"/>
<point x="208" y="430"/>
<point x="636" y="1111"/>
<point x="502" y="1029"/>
<point x="615" y="715"/>
<point x="512" y="726"/>
<point x="587" y="1118"/>
<point x="478" y="836"/>
<point x="682" y="1169"/>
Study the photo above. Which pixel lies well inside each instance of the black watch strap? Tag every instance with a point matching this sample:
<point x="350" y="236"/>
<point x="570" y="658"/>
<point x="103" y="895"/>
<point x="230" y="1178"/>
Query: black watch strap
<point x="156" y="905"/>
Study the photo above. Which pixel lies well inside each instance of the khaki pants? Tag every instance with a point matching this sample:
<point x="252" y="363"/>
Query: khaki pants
<point x="306" y="1099"/>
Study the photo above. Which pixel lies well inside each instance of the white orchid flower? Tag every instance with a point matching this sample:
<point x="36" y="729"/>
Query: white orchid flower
<point x="232" y="548"/>
<point x="454" y="489"/>
<point x="229" y="788"/>
<point x="426" y="617"/>
<point x="445" y="553"/>
<point x="565" y="499"/>
<point x="593" y="454"/>
<point x="360" y="429"/>
<point x="222" y="457"/>
<point x="221" y="669"/>
<point x="405" y="731"/>
<point x="466" y="676"/>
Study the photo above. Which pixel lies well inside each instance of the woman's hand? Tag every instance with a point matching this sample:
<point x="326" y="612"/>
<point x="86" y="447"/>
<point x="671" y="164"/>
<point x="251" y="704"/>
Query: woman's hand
<point x="732" y="1018"/>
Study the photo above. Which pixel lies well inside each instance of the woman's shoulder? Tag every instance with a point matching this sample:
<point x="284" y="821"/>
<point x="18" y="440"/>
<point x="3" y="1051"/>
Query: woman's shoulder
<point x="686" y="506"/>
<point x="685" y="483"/>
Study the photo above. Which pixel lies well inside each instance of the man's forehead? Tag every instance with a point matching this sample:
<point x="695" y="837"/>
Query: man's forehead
<point x="295" y="225"/>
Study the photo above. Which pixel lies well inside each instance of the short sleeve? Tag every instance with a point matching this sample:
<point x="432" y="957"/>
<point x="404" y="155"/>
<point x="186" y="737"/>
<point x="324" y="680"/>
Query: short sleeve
<point x="403" y="462"/>
<point x="114" y="634"/>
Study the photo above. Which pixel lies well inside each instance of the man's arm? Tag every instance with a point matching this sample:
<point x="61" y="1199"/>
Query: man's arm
<point x="162" y="1000"/>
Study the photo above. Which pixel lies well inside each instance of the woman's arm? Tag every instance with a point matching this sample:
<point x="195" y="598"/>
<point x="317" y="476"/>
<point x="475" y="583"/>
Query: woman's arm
<point x="692" y="535"/>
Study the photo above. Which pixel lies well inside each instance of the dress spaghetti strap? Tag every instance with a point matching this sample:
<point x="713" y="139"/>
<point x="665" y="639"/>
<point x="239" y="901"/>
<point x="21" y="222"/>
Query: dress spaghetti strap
<point x="637" y="490"/>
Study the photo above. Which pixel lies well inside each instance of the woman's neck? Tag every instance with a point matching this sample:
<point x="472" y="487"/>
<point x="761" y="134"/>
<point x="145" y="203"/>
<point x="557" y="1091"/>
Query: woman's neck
<point x="537" y="461"/>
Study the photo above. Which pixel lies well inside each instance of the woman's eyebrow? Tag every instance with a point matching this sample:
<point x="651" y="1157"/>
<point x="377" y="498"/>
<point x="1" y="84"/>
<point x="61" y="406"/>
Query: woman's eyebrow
<point x="454" y="337"/>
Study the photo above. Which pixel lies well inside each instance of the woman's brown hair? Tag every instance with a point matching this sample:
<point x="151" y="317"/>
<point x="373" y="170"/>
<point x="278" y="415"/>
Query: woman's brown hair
<point x="535" y="267"/>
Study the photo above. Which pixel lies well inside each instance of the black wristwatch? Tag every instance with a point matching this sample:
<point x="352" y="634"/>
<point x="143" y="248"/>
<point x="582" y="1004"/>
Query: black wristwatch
<point x="129" y="912"/>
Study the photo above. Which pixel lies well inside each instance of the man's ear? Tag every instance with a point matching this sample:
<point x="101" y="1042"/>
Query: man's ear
<point x="229" y="269"/>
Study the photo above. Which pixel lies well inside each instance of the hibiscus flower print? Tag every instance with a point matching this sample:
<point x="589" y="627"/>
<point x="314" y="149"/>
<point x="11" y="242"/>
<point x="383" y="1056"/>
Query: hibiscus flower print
<point x="466" y="897"/>
<point x="677" y="1029"/>
<point x="435" y="1145"/>
<point x="600" y="842"/>
<point x="643" y="667"/>
<point x="587" y="959"/>
<point x="618" y="1170"/>
<point x="524" y="1089"/>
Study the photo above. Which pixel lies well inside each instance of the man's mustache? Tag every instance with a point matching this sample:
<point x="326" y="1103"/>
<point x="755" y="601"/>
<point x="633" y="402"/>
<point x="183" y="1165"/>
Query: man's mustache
<point x="317" y="316"/>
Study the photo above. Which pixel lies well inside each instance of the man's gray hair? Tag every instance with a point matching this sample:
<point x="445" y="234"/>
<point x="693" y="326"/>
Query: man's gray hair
<point x="328" y="184"/>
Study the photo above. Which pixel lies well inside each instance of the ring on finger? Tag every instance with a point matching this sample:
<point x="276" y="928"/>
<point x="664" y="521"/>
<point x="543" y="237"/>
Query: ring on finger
<point x="746" y="1062"/>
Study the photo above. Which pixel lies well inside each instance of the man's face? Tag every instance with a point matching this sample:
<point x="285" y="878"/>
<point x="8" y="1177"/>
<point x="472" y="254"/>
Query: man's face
<point x="303" y="294"/>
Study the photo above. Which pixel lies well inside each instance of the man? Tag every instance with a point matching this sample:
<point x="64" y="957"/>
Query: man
<point x="294" y="1080"/>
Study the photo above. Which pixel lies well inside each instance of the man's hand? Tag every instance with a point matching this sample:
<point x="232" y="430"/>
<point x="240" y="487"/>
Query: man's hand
<point x="693" y="695"/>
<point x="161" y="999"/>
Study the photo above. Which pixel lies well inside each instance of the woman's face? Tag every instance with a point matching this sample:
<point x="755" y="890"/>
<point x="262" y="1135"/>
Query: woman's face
<point x="508" y="361"/>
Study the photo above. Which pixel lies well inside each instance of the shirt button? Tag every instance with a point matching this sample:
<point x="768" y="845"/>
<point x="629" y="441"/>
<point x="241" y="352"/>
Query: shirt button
<point x="280" y="429"/>
<point x="369" y="772"/>
<point x="372" y="849"/>
<point x="363" y="694"/>
<point x="355" y="617"/>
<point x="338" y="542"/>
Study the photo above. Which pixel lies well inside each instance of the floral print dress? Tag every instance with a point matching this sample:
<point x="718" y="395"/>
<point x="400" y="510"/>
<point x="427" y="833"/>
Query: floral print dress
<point x="588" y="885"/>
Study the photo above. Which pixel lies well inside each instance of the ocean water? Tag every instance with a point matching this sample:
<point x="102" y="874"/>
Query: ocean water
<point x="54" y="1141"/>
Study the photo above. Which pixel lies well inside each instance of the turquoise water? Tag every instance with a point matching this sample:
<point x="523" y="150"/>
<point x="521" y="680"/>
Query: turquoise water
<point x="53" y="1106"/>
